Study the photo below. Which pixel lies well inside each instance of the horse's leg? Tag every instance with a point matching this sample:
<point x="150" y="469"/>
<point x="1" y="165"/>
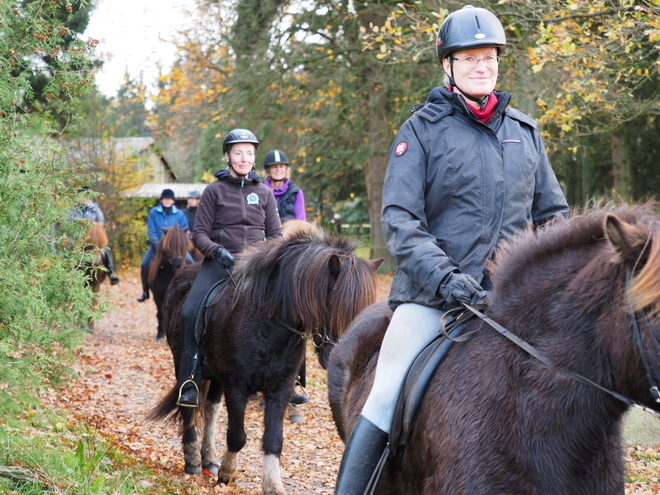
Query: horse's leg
<point x="272" y="441"/>
<point x="191" y="451"/>
<point x="236" y="437"/>
<point x="160" y="335"/>
<point x="211" y="410"/>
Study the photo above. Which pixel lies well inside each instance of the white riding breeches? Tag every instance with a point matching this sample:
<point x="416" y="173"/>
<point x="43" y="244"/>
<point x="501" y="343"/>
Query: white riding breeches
<point x="411" y="328"/>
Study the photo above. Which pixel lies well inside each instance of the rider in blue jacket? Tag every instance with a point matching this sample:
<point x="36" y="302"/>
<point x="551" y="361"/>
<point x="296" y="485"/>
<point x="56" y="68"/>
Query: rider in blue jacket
<point x="164" y="214"/>
<point x="465" y="173"/>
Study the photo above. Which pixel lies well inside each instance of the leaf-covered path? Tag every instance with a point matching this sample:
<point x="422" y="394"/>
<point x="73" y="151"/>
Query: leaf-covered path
<point x="124" y="372"/>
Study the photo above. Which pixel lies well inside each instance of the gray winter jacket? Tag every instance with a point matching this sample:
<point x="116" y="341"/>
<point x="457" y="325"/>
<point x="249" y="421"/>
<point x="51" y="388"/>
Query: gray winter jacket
<point x="456" y="187"/>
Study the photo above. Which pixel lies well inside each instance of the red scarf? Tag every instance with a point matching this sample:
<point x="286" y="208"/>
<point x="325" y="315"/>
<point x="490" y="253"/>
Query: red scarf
<point x="488" y="111"/>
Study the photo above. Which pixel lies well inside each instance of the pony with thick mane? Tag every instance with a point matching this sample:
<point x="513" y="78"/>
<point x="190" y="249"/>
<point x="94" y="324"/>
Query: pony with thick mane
<point x="169" y="258"/>
<point x="495" y="419"/>
<point x="282" y="292"/>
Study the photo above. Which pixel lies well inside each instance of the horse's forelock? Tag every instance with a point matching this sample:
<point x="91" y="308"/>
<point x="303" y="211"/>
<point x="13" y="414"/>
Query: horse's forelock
<point x="644" y="290"/>
<point x="174" y="243"/>
<point x="97" y="235"/>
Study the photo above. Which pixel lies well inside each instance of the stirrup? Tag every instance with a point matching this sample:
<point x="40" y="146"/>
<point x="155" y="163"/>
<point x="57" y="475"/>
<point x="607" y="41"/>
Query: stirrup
<point x="188" y="404"/>
<point x="299" y="399"/>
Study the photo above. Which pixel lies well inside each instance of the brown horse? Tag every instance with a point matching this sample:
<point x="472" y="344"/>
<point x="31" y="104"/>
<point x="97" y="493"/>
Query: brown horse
<point x="281" y="293"/>
<point x="94" y="244"/>
<point x="494" y="418"/>
<point x="170" y="257"/>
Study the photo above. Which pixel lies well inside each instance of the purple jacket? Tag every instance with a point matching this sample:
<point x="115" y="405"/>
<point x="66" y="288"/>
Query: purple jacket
<point x="290" y="200"/>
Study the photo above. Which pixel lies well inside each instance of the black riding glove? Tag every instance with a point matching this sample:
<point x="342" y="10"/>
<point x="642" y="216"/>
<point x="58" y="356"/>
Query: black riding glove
<point x="225" y="259"/>
<point x="457" y="288"/>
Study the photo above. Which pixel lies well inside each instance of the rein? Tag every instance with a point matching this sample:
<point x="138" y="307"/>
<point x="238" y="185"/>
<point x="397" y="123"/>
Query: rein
<point x="575" y="376"/>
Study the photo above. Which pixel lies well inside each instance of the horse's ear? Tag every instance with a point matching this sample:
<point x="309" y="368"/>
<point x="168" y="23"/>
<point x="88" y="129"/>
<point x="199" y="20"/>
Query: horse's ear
<point x="376" y="263"/>
<point x="165" y="229"/>
<point x="334" y="264"/>
<point x="624" y="237"/>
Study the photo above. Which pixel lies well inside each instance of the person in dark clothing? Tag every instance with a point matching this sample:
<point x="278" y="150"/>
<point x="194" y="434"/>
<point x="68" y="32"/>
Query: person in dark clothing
<point x="164" y="214"/>
<point x="88" y="210"/>
<point x="191" y="209"/>
<point x="235" y="211"/>
<point x="465" y="173"/>
<point x="290" y="205"/>
<point x="289" y="197"/>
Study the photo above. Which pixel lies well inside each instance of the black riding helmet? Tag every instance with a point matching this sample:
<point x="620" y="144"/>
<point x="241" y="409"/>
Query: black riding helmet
<point x="470" y="27"/>
<point x="275" y="157"/>
<point x="239" y="136"/>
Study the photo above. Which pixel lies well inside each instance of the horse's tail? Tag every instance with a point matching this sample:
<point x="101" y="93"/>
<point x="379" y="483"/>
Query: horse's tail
<point x="167" y="407"/>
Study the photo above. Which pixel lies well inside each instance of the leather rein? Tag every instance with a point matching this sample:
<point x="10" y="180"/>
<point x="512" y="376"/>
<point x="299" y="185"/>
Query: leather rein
<point x="634" y="325"/>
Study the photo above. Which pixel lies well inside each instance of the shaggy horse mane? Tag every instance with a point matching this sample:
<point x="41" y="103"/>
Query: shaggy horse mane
<point x="174" y="242"/>
<point x="96" y="235"/>
<point x="279" y="277"/>
<point x="585" y="231"/>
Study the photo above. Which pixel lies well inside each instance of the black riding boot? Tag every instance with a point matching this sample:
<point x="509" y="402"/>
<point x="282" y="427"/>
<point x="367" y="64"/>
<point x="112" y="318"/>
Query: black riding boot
<point x="189" y="374"/>
<point x="300" y="399"/>
<point x="362" y="460"/>
<point x="144" y="275"/>
<point x="109" y="263"/>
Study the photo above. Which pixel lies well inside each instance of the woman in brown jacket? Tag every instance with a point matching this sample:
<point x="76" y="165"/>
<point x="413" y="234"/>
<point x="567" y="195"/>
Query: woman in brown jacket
<point x="235" y="211"/>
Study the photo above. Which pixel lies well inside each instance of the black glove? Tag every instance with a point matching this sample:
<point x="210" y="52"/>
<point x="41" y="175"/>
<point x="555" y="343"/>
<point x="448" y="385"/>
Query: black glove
<point x="225" y="259"/>
<point x="457" y="288"/>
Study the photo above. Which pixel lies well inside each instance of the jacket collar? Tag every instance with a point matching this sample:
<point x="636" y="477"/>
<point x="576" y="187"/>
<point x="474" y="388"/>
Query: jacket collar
<point x="224" y="174"/>
<point x="159" y="208"/>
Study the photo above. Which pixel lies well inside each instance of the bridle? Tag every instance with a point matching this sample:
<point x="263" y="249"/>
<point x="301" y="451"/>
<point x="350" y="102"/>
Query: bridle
<point x="634" y="318"/>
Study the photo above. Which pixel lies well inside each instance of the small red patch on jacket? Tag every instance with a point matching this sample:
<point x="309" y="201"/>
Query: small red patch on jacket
<point x="401" y="148"/>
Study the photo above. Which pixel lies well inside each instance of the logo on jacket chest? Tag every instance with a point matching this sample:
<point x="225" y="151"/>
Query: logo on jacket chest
<point x="252" y="199"/>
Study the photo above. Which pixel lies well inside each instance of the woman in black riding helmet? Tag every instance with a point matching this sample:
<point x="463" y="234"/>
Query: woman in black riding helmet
<point x="235" y="211"/>
<point x="465" y="172"/>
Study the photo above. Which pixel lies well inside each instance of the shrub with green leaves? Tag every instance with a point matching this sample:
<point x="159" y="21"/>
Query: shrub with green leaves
<point x="43" y="68"/>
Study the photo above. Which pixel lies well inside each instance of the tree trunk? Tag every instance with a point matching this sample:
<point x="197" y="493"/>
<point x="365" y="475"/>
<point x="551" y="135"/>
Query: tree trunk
<point x="621" y="167"/>
<point x="378" y="132"/>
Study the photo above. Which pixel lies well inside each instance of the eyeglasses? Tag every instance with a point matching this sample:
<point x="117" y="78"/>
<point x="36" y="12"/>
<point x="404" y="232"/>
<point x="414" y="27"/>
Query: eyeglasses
<point x="472" y="62"/>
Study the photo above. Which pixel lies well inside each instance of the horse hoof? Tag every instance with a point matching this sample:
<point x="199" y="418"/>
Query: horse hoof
<point x="160" y="337"/>
<point x="225" y="478"/>
<point x="211" y="469"/>
<point x="192" y="469"/>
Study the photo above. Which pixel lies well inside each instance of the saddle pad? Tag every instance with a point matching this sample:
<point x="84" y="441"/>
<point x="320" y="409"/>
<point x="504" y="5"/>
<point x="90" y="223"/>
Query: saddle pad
<point x="201" y="318"/>
<point x="415" y="384"/>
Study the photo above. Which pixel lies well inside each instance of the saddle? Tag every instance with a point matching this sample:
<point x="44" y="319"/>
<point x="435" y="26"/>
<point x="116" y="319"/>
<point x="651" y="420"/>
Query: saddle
<point x="202" y="315"/>
<point x="419" y="376"/>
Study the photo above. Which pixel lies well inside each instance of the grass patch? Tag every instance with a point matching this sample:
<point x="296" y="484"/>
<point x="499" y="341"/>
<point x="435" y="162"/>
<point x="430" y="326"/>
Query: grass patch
<point x="44" y="450"/>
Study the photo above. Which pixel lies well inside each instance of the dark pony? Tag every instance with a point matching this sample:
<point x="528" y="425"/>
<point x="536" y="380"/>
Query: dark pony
<point x="95" y="242"/>
<point x="282" y="292"/>
<point x="494" y="418"/>
<point x="170" y="256"/>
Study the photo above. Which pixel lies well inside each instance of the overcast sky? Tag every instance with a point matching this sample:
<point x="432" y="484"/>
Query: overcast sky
<point x="133" y="36"/>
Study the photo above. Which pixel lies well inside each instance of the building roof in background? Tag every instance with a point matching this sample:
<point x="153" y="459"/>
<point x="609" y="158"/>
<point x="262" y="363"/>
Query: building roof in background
<point x="181" y="190"/>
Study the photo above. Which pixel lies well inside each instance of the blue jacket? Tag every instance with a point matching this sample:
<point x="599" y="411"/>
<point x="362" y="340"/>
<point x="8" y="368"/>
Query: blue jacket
<point x="157" y="220"/>
<point x="90" y="211"/>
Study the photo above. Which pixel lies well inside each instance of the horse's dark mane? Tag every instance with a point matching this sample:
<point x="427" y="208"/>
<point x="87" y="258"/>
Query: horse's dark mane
<point x="174" y="242"/>
<point x="584" y="236"/>
<point x="287" y="293"/>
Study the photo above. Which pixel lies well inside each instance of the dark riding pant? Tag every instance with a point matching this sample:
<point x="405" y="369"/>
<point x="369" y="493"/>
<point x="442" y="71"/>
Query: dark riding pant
<point x="189" y="366"/>
<point x="144" y="268"/>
